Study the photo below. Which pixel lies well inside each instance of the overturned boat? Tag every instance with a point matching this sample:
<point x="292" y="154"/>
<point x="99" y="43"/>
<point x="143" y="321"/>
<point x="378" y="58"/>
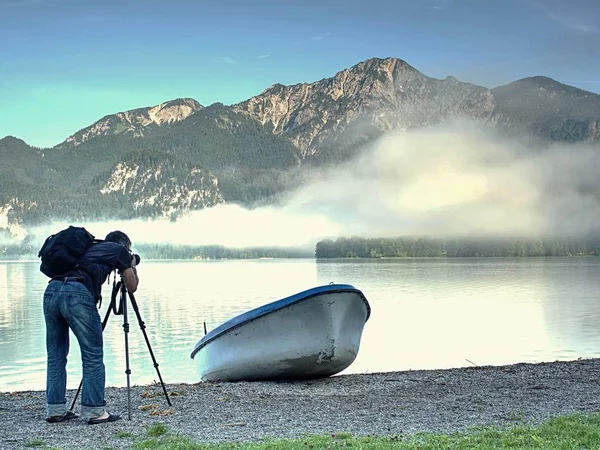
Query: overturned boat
<point x="313" y="334"/>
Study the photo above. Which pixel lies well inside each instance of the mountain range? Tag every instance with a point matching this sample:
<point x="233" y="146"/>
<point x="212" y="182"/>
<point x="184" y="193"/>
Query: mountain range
<point x="168" y="159"/>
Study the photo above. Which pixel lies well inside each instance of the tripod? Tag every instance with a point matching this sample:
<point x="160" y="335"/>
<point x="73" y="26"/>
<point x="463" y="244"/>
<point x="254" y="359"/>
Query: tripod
<point x="120" y="287"/>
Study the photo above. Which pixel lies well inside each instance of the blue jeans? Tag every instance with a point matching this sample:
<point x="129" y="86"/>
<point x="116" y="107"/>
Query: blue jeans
<point x="69" y="304"/>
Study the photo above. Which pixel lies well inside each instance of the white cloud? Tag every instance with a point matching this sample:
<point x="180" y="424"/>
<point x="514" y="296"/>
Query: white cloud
<point x="227" y="60"/>
<point x="320" y="37"/>
<point x="581" y="22"/>
<point x="574" y="22"/>
<point x="442" y="4"/>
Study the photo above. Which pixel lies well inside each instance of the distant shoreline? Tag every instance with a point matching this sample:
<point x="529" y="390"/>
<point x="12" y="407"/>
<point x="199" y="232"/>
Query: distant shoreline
<point x="362" y="248"/>
<point x="383" y="258"/>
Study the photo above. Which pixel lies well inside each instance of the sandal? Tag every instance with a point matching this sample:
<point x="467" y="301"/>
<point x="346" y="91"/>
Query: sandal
<point x="66" y="416"/>
<point x="111" y="418"/>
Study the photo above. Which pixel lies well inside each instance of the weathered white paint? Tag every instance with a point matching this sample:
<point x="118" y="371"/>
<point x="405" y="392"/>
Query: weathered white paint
<point x="316" y="337"/>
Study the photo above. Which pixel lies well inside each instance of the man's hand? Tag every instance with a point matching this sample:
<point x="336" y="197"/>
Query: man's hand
<point x="130" y="276"/>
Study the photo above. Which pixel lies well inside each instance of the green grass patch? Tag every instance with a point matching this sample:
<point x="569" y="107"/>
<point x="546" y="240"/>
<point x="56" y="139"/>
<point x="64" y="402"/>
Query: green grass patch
<point x="35" y="443"/>
<point x="123" y="434"/>
<point x="576" y="431"/>
<point x="158" y="429"/>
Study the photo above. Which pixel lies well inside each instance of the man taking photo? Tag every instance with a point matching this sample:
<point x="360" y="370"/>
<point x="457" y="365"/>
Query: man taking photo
<point x="70" y="303"/>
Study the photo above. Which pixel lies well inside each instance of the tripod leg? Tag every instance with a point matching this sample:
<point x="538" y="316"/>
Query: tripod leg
<point x="143" y="328"/>
<point x="104" y="322"/>
<point x="126" y="330"/>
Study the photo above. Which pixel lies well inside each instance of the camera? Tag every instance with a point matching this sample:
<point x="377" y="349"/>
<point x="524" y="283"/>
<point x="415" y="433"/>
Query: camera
<point x="136" y="257"/>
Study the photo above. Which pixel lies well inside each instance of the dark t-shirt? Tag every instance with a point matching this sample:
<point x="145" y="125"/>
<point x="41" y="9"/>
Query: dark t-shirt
<point x="98" y="262"/>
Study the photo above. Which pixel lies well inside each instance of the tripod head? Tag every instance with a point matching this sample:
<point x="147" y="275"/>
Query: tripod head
<point x="119" y="289"/>
<point x="121" y="284"/>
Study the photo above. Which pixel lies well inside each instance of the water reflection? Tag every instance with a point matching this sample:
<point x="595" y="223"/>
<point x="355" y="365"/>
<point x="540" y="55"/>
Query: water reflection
<point x="3" y="298"/>
<point x="436" y="313"/>
<point x="572" y="307"/>
<point x="22" y="325"/>
<point x="426" y="313"/>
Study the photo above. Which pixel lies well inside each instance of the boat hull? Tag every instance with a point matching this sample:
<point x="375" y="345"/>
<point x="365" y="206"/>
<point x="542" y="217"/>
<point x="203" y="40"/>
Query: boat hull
<point x="312" y="337"/>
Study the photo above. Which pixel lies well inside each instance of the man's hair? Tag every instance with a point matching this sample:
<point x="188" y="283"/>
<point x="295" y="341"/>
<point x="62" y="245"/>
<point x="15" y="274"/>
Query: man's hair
<point x="118" y="237"/>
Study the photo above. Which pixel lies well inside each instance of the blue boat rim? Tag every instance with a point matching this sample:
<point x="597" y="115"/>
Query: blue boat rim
<point x="254" y="314"/>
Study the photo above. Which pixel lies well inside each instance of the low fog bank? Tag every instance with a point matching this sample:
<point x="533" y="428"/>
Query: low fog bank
<point x="458" y="181"/>
<point x="227" y="225"/>
<point x="455" y="181"/>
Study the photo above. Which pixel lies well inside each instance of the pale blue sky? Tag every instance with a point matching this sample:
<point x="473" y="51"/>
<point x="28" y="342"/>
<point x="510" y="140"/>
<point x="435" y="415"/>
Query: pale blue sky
<point x="66" y="63"/>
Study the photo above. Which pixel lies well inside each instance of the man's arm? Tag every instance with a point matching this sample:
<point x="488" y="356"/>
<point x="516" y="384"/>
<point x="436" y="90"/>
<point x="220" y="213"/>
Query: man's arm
<point x="124" y="261"/>
<point x="130" y="277"/>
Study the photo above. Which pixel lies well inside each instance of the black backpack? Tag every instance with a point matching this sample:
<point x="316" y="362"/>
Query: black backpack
<point x="61" y="251"/>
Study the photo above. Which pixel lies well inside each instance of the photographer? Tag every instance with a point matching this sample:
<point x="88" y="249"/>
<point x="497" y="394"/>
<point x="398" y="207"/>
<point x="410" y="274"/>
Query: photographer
<point x="70" y="302"/>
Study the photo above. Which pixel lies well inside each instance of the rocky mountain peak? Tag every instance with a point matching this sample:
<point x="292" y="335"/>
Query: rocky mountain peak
<point x="136" y="122"/>
<point x="388" y="65"/>
<point x="184" y="102"/>
<point x="376" y="94"/>
<point x="173" y="110"/>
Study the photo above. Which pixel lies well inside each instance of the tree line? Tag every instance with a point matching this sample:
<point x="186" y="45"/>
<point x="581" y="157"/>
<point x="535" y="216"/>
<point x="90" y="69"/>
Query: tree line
<point x="416" y="247"/>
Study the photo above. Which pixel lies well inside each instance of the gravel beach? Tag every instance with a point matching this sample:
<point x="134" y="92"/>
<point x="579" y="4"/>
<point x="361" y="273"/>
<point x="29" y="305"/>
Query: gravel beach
<point x="389" y="403"/>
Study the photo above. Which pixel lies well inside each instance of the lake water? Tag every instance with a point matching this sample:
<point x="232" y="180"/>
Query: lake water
<point x="426" y="313"/>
